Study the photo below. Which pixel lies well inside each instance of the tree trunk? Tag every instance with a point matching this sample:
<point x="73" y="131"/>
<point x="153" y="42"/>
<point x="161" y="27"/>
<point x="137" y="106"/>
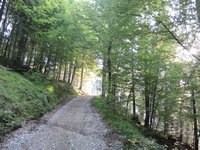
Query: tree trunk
<point x="181" y="123"/>
<point x="129" y="96"/>
<point x="133" y="85"/>
<point x="65" y="72"/>
<point x="109" y="67"/>
<point x="147" y="104"/>
<point x="55" y="65"/>
<point x="127" y="104"/>
<point x="74" y="72"/>
<point x="133" y="100"/>
<point x="70" y="72"/>
<point x="81" y="82"/>
<point x="59" y="72"/>
<point x="12" y="43"/>
<point x="21" y="49"/>
<point x="114" y="86"/>
<point x="31" y="54"/>
<point x="4" y="26"/>
<point x="2" y="9"/>
<point x="104" y="80"/>
<point x="41" y="62"/>
<point x="198" y="10"/>
<point x="166" y="120"/>
<point x="196" y="141"/>
<point x="7" y="48"/>
<point x="15" y="45"/>
<point x="153" y="109"/>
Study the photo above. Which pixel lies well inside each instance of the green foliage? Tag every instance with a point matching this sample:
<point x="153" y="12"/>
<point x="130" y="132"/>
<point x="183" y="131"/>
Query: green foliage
<point x="22" y="99"/>
<point x="134" y="139"/>
<point x="136" y="41"/>
<point x="36" y="77"/>
<point x="141" y="143"/>
<point x="63" y="90"/>
<point x="7" y="119"/>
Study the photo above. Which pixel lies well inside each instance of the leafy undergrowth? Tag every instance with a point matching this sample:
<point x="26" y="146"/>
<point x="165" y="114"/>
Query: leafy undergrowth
<point x="27" y="97"/>
<point x="134" y="139"/>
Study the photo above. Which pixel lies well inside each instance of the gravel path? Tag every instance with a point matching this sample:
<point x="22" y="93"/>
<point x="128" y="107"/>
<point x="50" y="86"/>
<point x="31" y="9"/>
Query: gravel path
<point x="75" y="126"/>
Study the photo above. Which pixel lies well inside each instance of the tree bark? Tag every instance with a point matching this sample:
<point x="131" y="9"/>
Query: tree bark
<point x="153" y="109"/>
<point x="166" y="119"/>
<point x="21" y="49"/>
<point x="4" y="26"/>
<point x="132" y="92"/>
<point x="81" y="82"/>
<point x="147" y="106"/>
<point x="109" y="69"/>
<point x="70" y="72"/>
<point x="59" y="71"/>
<point x="74" y="72"/>
<point x="104" y="79"/>
<point x="2" y="9"/>
<point x="55" y="65"/>
<point x="31" y="55"/>
<point x="133" y="84"/>
<point x="133" y="100"/>
<point x="181" y="123"/>
<point x="65" y="72"/>
<point x="41" y="62"/>
<point x="198" y="10"/>
<point x="196" y="141"/>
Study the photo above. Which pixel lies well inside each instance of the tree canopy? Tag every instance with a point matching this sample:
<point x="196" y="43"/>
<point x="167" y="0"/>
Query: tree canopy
<point x="149" y="73"/>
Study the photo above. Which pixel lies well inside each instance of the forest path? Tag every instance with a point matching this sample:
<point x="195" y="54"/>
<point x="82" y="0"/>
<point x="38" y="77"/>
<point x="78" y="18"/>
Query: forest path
<point x="74" y="126"/>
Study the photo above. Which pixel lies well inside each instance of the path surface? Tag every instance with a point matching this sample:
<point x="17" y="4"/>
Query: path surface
<point x="75" y="126"/>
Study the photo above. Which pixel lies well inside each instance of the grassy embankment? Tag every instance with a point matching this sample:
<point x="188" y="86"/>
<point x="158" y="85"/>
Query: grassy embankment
<point x="27" y="97"/>
<point x="134" y="139"/>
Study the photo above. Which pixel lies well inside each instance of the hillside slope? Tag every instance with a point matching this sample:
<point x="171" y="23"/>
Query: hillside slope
<point x="23" y="98"/>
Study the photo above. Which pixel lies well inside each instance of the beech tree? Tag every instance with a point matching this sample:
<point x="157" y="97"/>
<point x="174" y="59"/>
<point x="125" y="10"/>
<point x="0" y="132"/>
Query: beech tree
<point x="137" y="43"/>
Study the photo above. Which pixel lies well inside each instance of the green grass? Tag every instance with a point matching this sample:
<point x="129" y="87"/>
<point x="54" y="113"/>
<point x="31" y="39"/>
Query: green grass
<point x="27" y="97"/>
<point x="134" y="139"/>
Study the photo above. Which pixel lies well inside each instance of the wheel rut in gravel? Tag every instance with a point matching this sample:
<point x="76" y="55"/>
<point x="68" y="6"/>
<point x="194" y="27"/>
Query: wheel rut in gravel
<point x="75" y="126"/>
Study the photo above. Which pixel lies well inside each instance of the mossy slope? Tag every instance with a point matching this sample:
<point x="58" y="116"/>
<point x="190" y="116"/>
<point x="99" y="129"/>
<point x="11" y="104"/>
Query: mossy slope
<point x="23" y="98"/>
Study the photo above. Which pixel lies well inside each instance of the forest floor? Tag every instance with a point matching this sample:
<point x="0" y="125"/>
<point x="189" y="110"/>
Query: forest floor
<point x="74" y="126"/>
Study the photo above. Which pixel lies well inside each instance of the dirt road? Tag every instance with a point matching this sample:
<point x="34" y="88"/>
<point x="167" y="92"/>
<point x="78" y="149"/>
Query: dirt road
<point x="75" y="126"/>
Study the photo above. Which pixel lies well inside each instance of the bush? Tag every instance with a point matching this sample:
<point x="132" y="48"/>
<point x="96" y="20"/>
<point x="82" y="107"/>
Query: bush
<point x="36" y="77"/>
<point x="7" y="121"/>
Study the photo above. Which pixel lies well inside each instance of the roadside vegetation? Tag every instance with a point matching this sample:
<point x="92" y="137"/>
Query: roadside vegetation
<point x="28" y="96"/>
<point x="146" y="53"/>
<point x="133" y="137"/>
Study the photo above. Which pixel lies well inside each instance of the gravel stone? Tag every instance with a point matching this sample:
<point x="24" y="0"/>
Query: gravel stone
<point x="74" y="126"/>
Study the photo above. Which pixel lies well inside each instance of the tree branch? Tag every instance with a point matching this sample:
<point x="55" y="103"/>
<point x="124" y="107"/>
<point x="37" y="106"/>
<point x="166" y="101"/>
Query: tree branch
<point x="176" y="38"/>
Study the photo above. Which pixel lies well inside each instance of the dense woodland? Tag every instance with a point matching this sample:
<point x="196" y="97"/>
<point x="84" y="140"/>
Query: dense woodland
<point x="148" y="51"/>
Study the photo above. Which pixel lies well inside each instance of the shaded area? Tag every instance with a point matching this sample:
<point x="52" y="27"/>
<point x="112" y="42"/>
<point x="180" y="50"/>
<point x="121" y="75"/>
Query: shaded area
<point x="74" y="126"/>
